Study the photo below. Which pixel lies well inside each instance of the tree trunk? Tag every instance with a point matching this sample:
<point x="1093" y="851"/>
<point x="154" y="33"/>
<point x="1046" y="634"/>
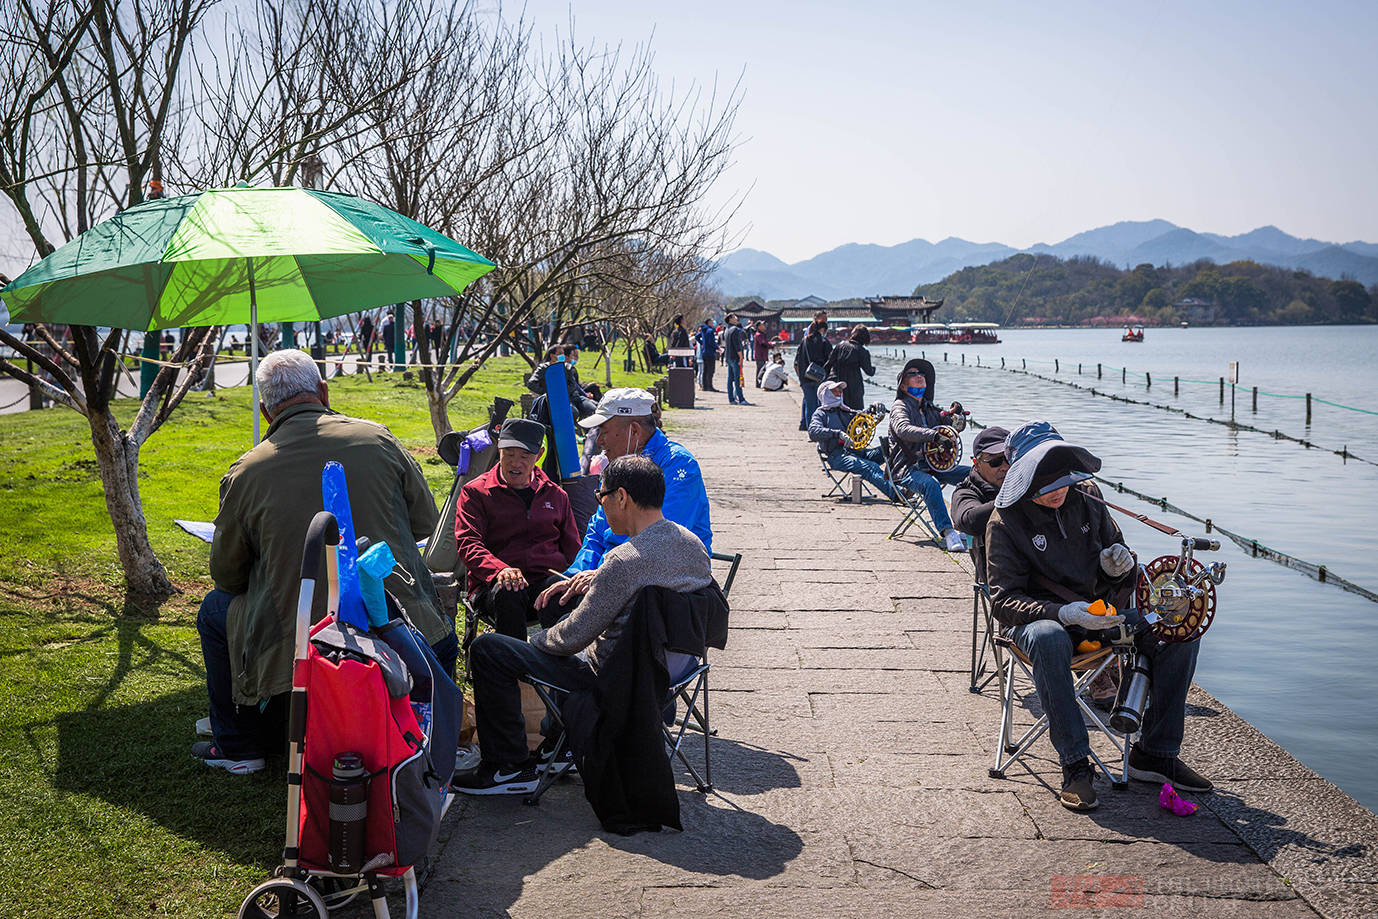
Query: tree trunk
<point x="117" y="456"/>
<point x="439" y="407"/>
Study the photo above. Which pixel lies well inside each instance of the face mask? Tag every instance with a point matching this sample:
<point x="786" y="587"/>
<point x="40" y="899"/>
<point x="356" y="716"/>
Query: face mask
<point x="916" y="391"/>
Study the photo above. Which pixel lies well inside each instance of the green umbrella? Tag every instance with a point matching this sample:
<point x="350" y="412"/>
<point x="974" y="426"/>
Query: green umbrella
<point x="241" y="255"/>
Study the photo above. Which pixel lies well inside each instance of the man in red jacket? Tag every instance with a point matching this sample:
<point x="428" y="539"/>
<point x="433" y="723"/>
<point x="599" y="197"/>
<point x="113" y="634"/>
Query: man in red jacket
<point x="514" y="529"/>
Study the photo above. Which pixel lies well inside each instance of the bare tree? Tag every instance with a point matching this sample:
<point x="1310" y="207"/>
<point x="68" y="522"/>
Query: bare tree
<point x="96" y="99"/>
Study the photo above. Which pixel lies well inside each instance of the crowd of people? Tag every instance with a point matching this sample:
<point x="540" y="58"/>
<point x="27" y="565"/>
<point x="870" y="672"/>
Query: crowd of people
<point x="736" y="345"/>
<point x="1046" y="548"/>
<point x="554" y="580"/>
<point x="528" y="562"/>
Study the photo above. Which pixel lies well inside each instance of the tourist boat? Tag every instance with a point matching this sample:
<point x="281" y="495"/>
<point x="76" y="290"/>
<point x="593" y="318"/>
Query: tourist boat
<point x="890" y="334"/>
<point x="930" y="333"/>
<point x="973" y="333"/>
<point x="1132" y="335"/>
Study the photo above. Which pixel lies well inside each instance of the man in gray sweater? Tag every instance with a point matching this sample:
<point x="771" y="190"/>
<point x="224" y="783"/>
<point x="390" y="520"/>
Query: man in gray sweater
<point x="658" y="553"/>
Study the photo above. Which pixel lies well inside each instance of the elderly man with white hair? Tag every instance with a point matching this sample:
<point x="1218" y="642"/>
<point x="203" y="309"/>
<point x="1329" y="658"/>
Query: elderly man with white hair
<point x="267" y="500"/>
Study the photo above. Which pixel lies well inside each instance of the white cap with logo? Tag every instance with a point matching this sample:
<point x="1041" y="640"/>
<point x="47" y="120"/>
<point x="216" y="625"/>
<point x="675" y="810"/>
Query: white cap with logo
<point x="628" y="403"/>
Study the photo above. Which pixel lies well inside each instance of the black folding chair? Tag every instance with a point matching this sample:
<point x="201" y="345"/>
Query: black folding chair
<point x="912" y="504"/>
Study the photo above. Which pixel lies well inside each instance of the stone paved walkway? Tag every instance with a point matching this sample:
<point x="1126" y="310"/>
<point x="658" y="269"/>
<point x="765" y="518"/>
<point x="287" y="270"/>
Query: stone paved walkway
<point x="851" y="762"/>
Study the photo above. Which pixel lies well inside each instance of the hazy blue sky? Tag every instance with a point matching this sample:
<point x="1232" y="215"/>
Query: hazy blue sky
<point x="1027" y="122"/>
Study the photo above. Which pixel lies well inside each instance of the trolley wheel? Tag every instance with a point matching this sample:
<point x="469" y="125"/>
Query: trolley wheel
<point x="283" y="898"/>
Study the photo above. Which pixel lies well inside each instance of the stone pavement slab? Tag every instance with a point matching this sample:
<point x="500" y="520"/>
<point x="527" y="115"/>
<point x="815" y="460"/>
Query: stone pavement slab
<point x="851" y="760"/>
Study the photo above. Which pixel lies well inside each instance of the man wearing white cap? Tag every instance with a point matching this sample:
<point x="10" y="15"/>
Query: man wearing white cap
<point x="626" y="426"/>
<point x="1050" y="551"/>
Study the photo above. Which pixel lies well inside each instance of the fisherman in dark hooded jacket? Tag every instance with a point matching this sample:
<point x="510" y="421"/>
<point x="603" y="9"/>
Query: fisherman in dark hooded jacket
<point x="913" y="419"/>
<point x="1047" y="543"/>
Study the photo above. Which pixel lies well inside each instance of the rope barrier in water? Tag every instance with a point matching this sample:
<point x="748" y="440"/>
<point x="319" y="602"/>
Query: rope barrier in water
<point x="1344" y="453"/>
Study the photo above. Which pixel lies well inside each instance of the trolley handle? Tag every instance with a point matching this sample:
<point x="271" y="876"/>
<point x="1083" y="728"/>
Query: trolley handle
<point x="324" y="531"/>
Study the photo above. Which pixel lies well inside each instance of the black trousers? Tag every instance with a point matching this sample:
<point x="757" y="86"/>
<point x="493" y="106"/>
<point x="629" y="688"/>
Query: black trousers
<point x="708" y="365"/>
<point x="510" y="611"/>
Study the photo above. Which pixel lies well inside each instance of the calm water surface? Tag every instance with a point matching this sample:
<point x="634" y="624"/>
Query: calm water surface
<point x="1293" y="656"/>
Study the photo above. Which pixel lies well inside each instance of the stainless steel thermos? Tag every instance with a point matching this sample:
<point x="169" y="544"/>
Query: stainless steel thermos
<point x="1129" y="713"/>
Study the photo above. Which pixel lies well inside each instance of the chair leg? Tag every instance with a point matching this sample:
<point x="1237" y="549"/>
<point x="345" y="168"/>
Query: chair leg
<point x="551" y="773"/>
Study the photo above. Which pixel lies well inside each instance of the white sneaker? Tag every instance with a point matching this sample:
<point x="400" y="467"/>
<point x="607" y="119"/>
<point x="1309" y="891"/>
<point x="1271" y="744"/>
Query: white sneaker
<point x="954" y="541"/>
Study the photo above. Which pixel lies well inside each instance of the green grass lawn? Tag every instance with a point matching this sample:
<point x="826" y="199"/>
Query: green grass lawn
<point x="104" y="811"/>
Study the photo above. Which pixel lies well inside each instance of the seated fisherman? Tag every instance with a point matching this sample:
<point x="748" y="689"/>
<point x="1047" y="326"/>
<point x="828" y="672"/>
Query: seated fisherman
<point x="974" y="499"/>
<point x="828" y="428"/>
<point x="654" y="358"/>
<point x="267" y="500"/>
<point x="626" y="427"/>
<point x="776" y="376"/>
<point x="1050" y="551"/>
<point x="913" y="418"/>
<point x="514" y="530"/>
<point x="654" y="552"/>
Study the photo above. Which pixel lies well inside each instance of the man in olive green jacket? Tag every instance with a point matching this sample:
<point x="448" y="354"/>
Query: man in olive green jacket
<point x="267" y="500"/>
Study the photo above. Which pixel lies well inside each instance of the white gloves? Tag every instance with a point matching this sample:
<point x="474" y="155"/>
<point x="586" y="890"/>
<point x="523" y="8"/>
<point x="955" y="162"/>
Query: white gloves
<point x="846" y="441"/>
<point x="1116" y="560"/>
<point x="1079" y="614"/>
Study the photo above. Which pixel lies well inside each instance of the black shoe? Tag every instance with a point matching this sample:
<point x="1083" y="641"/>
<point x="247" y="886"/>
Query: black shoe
<point x="207" y="752"/>
<point x="493" y="779"/>
<point x="1147" y="768"/>
<point x="1077" y="793"/>
<point x="545" y="754"/>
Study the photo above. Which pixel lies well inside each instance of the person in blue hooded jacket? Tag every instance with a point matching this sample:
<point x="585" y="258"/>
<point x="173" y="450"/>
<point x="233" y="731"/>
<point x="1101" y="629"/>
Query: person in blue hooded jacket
<point x="626" y="426"/>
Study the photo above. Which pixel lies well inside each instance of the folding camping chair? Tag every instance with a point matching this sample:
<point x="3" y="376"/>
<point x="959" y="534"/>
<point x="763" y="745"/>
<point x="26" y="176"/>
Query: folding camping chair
<point x="688" y="683"/>
<point x="983" y="627"/>
<point x="840" y="490"/>
<point x="1085" y="669"/>
<point x="915" y="511"/>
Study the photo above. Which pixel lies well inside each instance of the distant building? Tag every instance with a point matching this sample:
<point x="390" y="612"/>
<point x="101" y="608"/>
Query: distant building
<point x="751" y="311"/>
<point x="903" y="310"/>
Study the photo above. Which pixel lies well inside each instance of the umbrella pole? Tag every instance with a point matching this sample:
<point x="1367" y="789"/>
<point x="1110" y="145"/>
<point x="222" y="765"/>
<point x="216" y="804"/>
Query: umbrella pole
<point x="253" y="347"/>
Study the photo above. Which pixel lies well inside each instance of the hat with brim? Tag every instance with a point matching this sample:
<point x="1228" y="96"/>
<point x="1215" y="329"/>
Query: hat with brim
<point x="522" y="432"/>
<point x="628" y="402"/>
<point x="1038" y="445"/>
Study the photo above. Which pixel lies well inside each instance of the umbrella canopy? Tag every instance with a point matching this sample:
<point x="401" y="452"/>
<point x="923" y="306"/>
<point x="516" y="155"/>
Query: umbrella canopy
<point x="297" y="254"/>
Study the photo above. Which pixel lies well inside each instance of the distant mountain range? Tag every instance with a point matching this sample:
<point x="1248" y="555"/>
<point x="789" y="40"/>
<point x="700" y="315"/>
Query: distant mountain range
<point x="858" y="270"/>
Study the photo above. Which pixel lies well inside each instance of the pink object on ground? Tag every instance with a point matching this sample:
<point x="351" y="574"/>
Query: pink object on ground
<point x="1170" y="800"/>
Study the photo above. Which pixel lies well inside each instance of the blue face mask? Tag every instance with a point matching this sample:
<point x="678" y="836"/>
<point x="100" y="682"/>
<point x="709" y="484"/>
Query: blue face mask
<point x="916" y="391"/>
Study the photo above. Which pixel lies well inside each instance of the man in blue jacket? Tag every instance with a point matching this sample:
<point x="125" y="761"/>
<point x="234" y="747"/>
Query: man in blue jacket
<point x="707" y="339"/>
<point x="626" y="426"/>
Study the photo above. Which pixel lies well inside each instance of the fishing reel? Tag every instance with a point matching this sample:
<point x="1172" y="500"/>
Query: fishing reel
<point x="863" y="425"/>
<point x="956" y="416"/>
<point x="944" y="451"/>
<point x="1177" y="593"/>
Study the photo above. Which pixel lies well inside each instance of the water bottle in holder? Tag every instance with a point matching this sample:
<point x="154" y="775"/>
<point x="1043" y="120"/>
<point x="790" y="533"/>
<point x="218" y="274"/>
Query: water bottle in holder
<point x="348" y="813"/>
<point x="1129" y="713"/>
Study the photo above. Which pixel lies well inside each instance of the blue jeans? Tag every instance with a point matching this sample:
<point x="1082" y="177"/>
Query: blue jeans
<point x="865" y="463"/>
<point x="810" y="402"/>
<point x="930" y="485"/>
<point x="1049" y="646"/>
<point x="248" y="731"/>
<point x="734" y="381"/>
<point x="498" y="662"/>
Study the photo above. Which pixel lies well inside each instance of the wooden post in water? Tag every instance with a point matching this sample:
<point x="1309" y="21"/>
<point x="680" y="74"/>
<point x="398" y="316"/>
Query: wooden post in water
<point x="1123" y="374"/>
<point x="1255" y="406"/>
<point x="1308" y="409"/>
<point x="1222" y="390"/>
<point x="1078" y="369"/>
<point x="944" y="357"/>
<point x="1002" y="363"/>
<point x="964" y="358"/>
<point x="1057" y="368"/>
<point x="1098" y="371"/>
<point x="1025" y="362"/>
<point x="1148" y="380"/>
<point x="1175" y="387"/>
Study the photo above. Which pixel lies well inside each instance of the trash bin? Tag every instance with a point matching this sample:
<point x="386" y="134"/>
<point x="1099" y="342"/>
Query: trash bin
<point x="680" y="391"/>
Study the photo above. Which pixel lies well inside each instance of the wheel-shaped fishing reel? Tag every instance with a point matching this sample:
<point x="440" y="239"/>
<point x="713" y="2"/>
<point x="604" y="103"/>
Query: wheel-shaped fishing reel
<point x="863" y="425"/>
<point x="944" y="451"/>
<point x="1177" y="593"/>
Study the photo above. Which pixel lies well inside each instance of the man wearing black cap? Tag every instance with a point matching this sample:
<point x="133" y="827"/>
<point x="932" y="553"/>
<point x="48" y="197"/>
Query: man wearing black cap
<point x="514" y="529"/>
<point x="1050" y="552"/>
<point x="974" y="499"/>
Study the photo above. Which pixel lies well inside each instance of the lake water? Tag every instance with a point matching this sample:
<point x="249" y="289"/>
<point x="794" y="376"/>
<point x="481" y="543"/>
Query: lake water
<point x="1292" y="655"/>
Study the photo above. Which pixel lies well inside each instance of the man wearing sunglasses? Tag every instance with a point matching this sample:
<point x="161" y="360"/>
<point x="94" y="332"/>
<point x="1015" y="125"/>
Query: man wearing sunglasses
<point x="974" y="498"/>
